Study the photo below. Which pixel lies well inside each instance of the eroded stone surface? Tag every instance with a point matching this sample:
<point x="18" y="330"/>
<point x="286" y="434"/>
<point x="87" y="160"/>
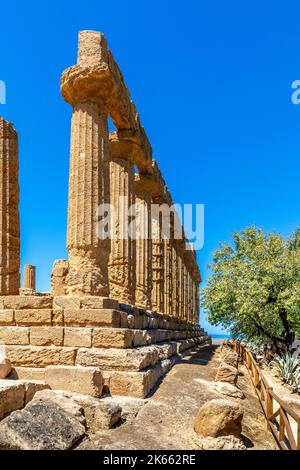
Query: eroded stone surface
<point x="41" y="425"/>
<point x="219" y="417"/>
<point x="5" y="367"/>
<point x="227" y="373"/>
<point x="85" y="380"/>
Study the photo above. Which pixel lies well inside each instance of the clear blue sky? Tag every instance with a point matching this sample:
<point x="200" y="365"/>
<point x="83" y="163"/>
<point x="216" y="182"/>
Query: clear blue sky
<point x="212" y="82"/>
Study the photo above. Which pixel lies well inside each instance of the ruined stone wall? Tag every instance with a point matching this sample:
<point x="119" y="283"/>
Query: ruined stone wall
<point x="132" y="347"/>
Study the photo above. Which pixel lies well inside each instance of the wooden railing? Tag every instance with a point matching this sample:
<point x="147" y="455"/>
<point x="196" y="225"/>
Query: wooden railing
<point x="282" y="420"/>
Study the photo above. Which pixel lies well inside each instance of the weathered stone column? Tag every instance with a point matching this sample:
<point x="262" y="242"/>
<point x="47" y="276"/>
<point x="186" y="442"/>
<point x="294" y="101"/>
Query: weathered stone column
<point x="143" y="200"/>
<point x="81" y="86"/>
<point x="122" y="261"/>
<point x="9" y="211"/>
<point x="168" y="277"/>
<point x="181" y="285"/>
<point x="158" y="262"/>
<point x="175" y="274"/>
<point x="88" y="189"/>
<point x="29" y="277"/>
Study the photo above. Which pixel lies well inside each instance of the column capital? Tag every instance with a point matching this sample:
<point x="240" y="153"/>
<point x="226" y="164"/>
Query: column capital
<point x="122" y="148"/>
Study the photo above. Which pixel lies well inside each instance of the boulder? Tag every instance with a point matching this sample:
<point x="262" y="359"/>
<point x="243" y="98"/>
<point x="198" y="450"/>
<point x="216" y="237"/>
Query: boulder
<point x="98" y="413"/>
<point x="5" y="367"/>
<point x="219" y="417"/>
<point x="41" y="425"/>
<point x="231" y="358"/>
<point x="226" y="373"/>
<point x="228" y="389"/>
<point x="63" y="400"/>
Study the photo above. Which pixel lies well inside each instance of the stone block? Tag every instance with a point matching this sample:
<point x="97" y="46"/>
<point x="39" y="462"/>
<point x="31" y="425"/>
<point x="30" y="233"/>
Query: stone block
<point x="84" y="380"/>
<point x="78" y="337"/>
<point x="28" y="373"/>
<point x="140" y="338"/>
<point x="6" y="317"/>
<point x="112" y="338"/>
<point x="138" y="322"/>
<point x="18" y="302"/>
<point x="14" y="335"/>
<point x="95" y="302"/>
<point x="134" y="384"/>
<point x="227" y="373"/>
<point x="118" y="359"/>
<point x="31" y="317"/>
<point x="98" y="413"/>
<point x="12" y="396"/>
<point x="32" y="387"/>
<point x="64" y="302"/>
<point x="41" y="425"/>
<point x="219" y="417"/>
<point x="40" y="356"/>
<point x="123" y="320"/>
<point x="92" y="317"/>
<point x="57" y="317"/>
<point x="46" y="335"/>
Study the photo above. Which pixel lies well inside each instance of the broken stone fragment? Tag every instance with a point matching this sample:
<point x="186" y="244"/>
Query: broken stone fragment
<point x="220" y="443"/>
<point x="5" y="367"/>
<point x="41" y="425"/>
<point x="98" y="413"/>
<point x="228" y="389"/>
<point x="230" y="357"/>
<point x="12" y="395"/>
<point x="226" y="373"/>
<point x="219" y="417"/>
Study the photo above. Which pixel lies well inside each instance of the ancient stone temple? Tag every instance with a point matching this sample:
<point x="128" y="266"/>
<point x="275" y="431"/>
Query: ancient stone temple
<point x="121" y="307"/>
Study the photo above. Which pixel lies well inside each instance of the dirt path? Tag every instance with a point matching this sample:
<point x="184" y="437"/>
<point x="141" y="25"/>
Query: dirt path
<point x="166" y="420"/>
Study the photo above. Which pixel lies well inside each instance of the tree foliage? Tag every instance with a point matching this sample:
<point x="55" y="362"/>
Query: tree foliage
<point x="254" y="288"/>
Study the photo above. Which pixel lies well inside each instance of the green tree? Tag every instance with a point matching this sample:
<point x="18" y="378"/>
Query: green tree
<point x="254" y="288"/>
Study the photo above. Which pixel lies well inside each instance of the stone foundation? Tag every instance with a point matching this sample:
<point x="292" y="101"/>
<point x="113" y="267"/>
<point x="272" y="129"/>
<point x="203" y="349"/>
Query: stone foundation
<point x="132" y="348"/>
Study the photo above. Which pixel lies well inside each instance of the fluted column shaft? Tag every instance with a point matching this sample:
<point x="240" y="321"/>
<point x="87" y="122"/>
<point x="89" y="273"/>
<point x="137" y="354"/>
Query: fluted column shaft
<point x="168" y="277"/>
<point x="158" y="261"/>
<point x="175" y="273"/>
<point x="29" y="277"/>
<point x="143" y="246"/>
<point x="122" y="261"/>
<point x="9" y="211"/>
<point x="88" y="189"/>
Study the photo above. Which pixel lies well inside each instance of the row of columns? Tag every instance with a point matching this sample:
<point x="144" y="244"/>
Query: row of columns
<point x="147" y="270"/>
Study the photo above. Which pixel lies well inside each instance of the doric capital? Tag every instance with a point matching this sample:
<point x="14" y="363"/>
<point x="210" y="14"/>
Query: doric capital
<point x="146" y="183"/>
<point x="124" y="148"/>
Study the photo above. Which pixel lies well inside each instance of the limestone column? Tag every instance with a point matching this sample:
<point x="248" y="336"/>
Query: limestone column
<point x="197" y="300"/>
<point x="175" y="274"/>
<point x="168" y="277"/>
<point x="180" y="286"/>
<point x="143" y="199"/>
<point x="88" y="243"/>
<point x="9" y="207"/>
<point x="122" y="261"/>
<point x="29" y="277"/>
<point x="158" y="261"/>
<point x="88" y="190"/>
